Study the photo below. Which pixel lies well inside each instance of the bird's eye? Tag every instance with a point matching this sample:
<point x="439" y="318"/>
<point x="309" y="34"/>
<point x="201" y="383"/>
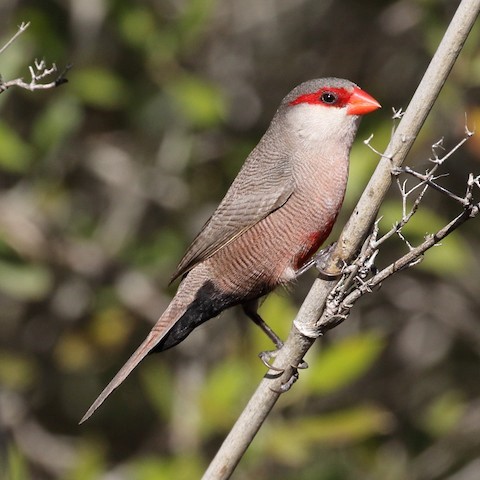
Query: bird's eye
<point x="328" y="98"/>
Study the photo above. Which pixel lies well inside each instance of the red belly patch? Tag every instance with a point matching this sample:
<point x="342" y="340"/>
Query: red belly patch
<point x="312" y="244"/>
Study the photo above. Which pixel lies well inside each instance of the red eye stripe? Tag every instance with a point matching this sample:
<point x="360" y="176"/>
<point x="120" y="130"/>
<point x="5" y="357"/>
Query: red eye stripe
<point x="315" y="98"/>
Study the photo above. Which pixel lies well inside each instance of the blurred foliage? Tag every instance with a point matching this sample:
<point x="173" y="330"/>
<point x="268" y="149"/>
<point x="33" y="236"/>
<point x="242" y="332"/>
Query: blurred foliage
<point x="16" y="465"/>
<point x="106" y="180"/>
<point x="339" y="364"/>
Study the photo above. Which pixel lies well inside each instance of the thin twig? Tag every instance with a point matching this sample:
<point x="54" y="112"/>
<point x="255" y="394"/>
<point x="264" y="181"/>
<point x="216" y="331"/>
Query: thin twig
<point x="341" y="309"/>
<point x="347" y="292"/>
<point x="428" y="179"/>
<point x="38" y="72"/>
<point x="406" y="261"/>
<point x="20" y="30"/>
<point x="41" y="72"/>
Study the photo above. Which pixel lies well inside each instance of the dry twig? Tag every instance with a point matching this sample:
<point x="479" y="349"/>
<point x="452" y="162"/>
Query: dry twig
<point x="38" y="72"/>
<point x="361" y="277"/>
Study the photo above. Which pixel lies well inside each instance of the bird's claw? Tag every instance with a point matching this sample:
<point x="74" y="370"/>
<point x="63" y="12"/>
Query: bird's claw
<point x="303" y="365"/>
<point x="266" y="356"/>
<point x="321" y="259"/>
<point x="285" y="387"/>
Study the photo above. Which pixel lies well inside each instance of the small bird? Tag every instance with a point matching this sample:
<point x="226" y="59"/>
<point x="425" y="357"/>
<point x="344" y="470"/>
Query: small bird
<point x="278" y="211"/>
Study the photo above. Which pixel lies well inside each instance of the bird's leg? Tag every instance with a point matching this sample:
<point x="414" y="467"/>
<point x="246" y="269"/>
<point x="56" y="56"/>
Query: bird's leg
<point x="250" y="309"/>
<point x="319" y="260"/>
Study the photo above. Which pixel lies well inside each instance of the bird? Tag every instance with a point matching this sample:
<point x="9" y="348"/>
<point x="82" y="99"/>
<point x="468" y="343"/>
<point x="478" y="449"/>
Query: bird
<point x="276" y="214"/>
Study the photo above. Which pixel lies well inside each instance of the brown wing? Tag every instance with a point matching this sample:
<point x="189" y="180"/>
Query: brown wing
<point x="259" y="188"/>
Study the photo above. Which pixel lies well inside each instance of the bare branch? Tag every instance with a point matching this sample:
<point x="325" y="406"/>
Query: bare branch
<point x="20" y="30"/>
<point x="468" y="134"/>
<point x="38" y="72"/>
<point x="369" y="145"/>
<point x="355" y="282"/>
<point x="428" y="179"/>
<point x="346" y="292"/>
<point x="342" y="310"/>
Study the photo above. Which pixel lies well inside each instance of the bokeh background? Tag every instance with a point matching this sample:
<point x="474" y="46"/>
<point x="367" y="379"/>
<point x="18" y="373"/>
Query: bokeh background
<point x="105" y="181"/>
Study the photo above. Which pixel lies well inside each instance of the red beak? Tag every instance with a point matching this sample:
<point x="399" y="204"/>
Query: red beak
<point x="361" y="103"/>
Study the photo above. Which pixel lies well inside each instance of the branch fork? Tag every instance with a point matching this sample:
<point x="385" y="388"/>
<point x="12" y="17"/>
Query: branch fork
<point x="39" y="71"/>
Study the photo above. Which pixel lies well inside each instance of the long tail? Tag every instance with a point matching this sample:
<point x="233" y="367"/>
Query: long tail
<point x="196" y="301"/>
<point x="158" y="332"/>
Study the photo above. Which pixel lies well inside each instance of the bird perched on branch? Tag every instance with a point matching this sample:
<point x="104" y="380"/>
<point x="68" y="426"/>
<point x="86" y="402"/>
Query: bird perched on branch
<point x="278" y="211"/>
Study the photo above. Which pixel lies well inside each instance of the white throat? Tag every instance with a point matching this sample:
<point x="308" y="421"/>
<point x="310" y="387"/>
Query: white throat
<point x="320" y="124"/>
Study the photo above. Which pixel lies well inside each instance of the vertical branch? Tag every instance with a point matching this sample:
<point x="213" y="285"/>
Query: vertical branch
<point x="307" y="325"/>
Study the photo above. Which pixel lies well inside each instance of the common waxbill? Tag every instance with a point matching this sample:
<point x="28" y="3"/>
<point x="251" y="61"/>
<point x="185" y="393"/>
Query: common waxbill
<point x="278" y="211"/>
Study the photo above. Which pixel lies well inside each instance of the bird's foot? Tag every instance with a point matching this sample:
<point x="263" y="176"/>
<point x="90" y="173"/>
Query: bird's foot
<point x="303" y="365"/>
<point x="285" y="387"/>
<point x="267" y="355"/>
<point x="319" y="260"/>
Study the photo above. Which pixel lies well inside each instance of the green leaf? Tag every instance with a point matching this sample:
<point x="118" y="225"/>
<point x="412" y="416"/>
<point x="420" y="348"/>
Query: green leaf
<point x="16" y="372"/>
<point x="452" y="255"/>
<point x="156" y="253"/>
<point x="200" y="102"/>
<point x="443" y="414"/>
<point x="294" y="441"/>
<point x="73" y="352"/>
<point x="60" y="118"/>
<point x="158" y="386"/>
<point x="99" y="88"/>
<point x="151" y="468"/>
<point x="424" y="221"/>
<point x="225" y="387"/>
<point x="343" y="362"/>
<point x="137" y="24"/>
<point x="25" y="282"/>
<point x="15" y="154"/>
<point x="90" y="462"/>
<point x="278" y="312"/>
<point x="111" y="327"/>
<point x="194" y="18"/>
<point x="17" y="466"/>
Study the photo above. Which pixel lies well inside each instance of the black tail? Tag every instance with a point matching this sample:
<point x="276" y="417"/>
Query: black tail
<point x="208" y="303"/>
